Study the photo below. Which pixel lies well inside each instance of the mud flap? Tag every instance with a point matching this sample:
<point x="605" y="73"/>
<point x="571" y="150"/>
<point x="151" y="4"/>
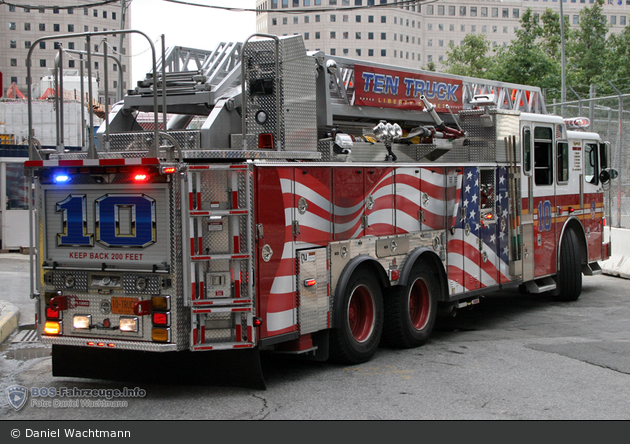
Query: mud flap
<point x="232" y="368"/>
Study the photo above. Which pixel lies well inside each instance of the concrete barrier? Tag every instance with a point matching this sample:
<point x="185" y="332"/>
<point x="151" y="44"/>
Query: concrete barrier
<point x="619" y="262"/>
<point x="9" y="318"/>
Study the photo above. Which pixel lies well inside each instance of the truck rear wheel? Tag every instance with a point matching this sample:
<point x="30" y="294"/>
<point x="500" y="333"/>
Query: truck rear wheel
<point x="569" y="277"/>
<point x="358" y="320"/>
<point x="410" y="311"/>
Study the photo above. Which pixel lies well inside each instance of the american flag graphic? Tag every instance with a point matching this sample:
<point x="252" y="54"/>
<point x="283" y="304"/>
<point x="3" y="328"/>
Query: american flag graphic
<point x="393" y="199"/>
<point x="478" y="251"/>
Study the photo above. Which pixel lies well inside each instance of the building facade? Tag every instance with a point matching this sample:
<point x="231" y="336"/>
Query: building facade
<point x="23" y="26"/>
<point x="413" y="34"/>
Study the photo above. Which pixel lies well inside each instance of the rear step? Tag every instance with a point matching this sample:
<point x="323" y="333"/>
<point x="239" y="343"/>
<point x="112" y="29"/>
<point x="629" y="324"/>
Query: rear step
<point x="541" y="285"/>
<point x="592" y="269"/>
<point x="233" y="368"/>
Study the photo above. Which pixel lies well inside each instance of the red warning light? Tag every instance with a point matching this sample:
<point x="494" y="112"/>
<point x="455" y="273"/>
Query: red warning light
<point x="141" y="177"/>
<point x="168" y="170"/>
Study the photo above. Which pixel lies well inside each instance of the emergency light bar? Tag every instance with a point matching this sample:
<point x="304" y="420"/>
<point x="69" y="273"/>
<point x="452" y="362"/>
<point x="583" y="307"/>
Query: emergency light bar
<point x="577" y="123"/>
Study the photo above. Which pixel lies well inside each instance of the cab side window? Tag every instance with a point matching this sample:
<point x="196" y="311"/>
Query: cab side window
<point x="543" y="159"/>
<point x="591" y="166"/>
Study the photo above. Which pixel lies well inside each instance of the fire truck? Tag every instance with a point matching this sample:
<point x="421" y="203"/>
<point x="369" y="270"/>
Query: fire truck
<point x="269" y="198"/>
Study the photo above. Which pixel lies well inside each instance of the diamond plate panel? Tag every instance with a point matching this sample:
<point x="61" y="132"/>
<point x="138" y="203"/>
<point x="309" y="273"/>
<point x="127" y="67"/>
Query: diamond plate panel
<point x="313" y="299"/>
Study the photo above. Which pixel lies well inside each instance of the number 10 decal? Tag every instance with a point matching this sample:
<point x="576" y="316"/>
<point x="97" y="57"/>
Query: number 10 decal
<point x="121" y="220"/>
<point x="544" y="216"/>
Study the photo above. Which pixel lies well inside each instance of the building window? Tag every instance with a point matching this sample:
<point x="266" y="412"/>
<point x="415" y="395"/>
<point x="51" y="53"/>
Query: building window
<point x="70" y="63"/>
<point x="358" y="52"/>
<point x="56" y="27"/>
<point x="42" y="26"/>
<point x="306" y="36"/>
<point x="358" y="19"/>
<point x="357" y="35"/>
<point x="345" y="18"/>
<point x="285" y="20"/>
<point x="613" y="19"/>
<point x="484" y="12"/>
<point x="95" y="13"/>
<point x="42" y="63"/>
<point x="370" y="53"/>
<point x="440" y="10"/>
<point x="71" y="46"/>
<point x="622" y="20"/>
<point x="55" y="10"/>
<point x="42" y="45"/>
<point x="70" y="28"/>
<point x="462" y="11"/>
<point x="11" y="8"/>
<point x="317" y="34"/>
<point x="70" y="10"/>
<point x="370" y="36"/>
<point x="13" y="62"/>
<point x="345" y="35"/>
<point x="307" y="19"/>
<point x="451" y="10"/>
<point x="295" y="20"/>
<point x="27" y="26"/>
<point x="85" y="11"/>
<point x="383" y="19"/>
<point x="27" y="44"/>
<point x="274" y="4"/>
<point x="495" y="12"/>
<point x="506" y="13"/>
<point x="333" y="51"/>
<point x="333" y="18"/>
<point x="383" y="36"/>
<point x="113" y="16"/>
<point x="274" y="21"/>
<point x="515" y="13"/>
<point x="370" y="19"/>
<point x="333" y="35"/>
<point x="317" y="18"/>
<point x="473" y="11"/>
<point x="13" y="44"/>
<point x="383" y="53"/>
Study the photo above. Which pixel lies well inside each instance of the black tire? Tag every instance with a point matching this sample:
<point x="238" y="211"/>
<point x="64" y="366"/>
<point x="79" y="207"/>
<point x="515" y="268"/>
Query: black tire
<point x="569" y="277"/>
<point x="410" y="311"/>
<point x="358" y="320"/>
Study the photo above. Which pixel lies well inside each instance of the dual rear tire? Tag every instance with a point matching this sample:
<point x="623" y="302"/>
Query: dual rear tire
<point x="363" y="318"/>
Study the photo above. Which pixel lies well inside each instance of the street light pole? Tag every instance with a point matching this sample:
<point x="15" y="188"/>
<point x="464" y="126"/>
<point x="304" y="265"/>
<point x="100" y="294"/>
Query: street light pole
<point x="563" y="91"/>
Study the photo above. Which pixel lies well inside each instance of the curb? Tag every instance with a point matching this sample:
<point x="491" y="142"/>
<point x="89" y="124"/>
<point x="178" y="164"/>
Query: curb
<point x="9" y="316"/>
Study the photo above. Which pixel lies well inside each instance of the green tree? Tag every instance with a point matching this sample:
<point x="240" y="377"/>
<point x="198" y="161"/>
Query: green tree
<point x="587" y="47"/>
<point x="616" y="66"/>
<point x="470" y="58"/>
<point x="525" y="61"/>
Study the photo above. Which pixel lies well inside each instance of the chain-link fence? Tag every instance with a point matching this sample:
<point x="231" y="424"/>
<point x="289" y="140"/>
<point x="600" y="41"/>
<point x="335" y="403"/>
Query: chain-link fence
<point x="610" y="118"/>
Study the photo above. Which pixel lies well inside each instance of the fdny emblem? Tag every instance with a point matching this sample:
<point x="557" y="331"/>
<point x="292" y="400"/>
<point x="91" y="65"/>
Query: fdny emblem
<point x="17" y="395"/>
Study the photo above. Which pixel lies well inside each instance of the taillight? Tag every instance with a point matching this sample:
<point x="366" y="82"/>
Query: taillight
<point x="52" y="327"/>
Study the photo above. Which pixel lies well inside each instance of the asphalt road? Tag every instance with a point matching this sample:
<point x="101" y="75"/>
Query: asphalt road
<point x="513" y="357"/>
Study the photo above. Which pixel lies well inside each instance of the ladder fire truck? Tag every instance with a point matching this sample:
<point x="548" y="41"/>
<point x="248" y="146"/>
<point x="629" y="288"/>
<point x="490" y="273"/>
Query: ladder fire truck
<point x="292" y="201"/>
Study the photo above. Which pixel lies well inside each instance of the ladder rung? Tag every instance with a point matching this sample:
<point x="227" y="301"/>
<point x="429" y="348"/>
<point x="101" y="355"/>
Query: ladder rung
<point x="218" y="257"/>
<point x="238" y="212"/>
<point x="216" y="302"/>
<point x="226" y="346"/>
<point x="222" y="310"/>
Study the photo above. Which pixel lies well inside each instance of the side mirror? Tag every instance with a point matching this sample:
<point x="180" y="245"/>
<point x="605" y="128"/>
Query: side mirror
<point x="604" y="176"/>
<point x="614" y="173"/>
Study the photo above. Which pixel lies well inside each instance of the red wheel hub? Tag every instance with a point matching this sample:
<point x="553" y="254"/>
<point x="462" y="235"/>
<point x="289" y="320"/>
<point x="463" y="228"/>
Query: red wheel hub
<point x="419" y="304"/>
<point x="361" y="313"/>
